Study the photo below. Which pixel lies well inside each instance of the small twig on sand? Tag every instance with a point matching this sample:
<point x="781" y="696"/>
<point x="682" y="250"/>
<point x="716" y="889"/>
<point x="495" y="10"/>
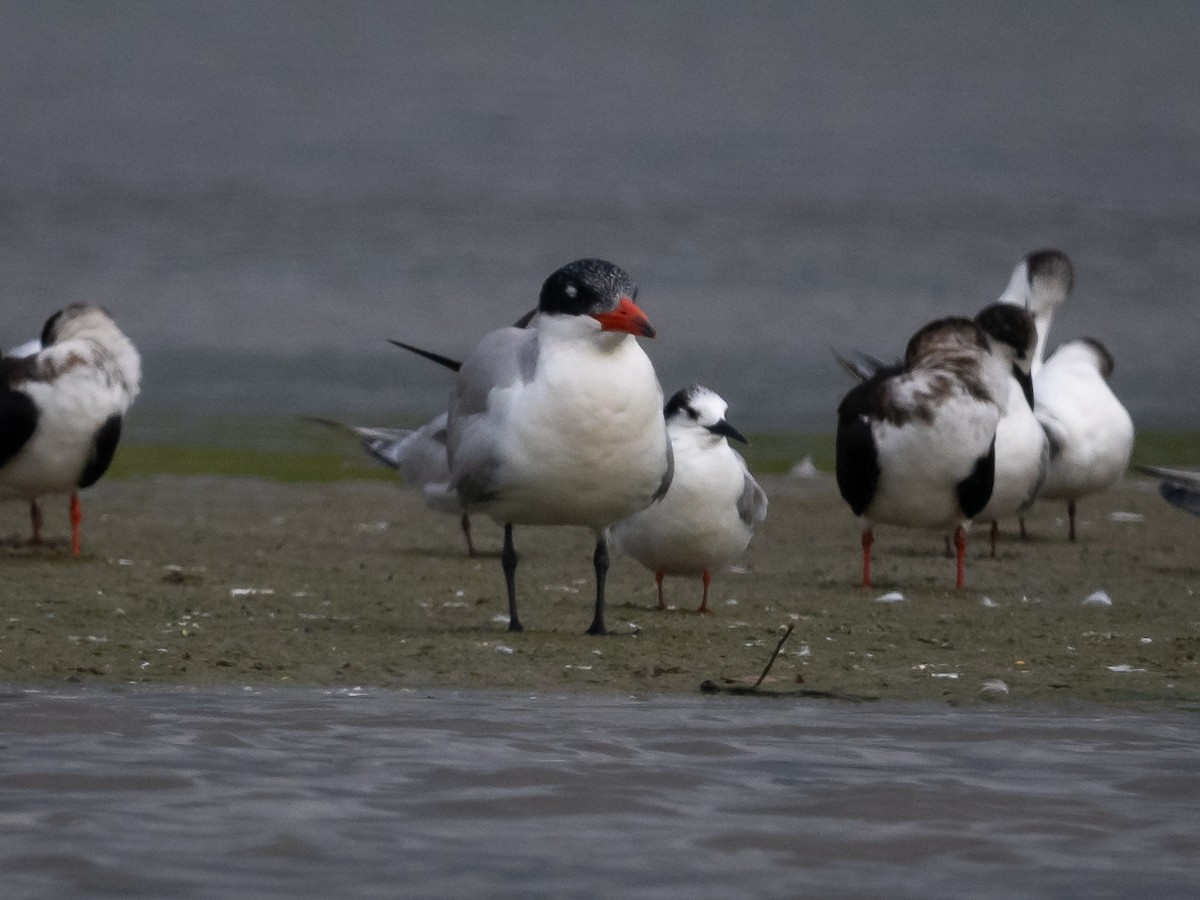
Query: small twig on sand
<point x="770" y="662"/>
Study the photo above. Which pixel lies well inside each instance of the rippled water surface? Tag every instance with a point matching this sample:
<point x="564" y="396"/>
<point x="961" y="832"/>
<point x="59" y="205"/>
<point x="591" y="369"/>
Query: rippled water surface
<point x="370" y="793"/>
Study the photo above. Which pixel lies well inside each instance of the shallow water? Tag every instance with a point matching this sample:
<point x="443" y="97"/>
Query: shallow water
<point x="373" y="793"/>
<point x="262" y="192"/>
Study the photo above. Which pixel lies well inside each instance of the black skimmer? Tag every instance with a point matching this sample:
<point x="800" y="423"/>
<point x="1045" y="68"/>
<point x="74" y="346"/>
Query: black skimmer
<point x="61" y="410"/>
<point x="1179" y="487"/>
<point x="560" y="423"/>
<point x="708" y="515"/>
<point x="916" y="442"/>
<point x="1089" y="430"/>
<point x="418" y="456"/>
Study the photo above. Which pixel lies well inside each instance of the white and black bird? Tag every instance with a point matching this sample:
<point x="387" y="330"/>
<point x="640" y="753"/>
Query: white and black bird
<point x="560" y="423"/>
<point x="1089" y="430"/>
<point x="1179" y="487"/>
<point x="1040" y="283"/>
<point x="707" y="517"/>
<point x="916" y="442"/>
<point x="61" y="410"/>
<point x="417" y="454"/>
<point x="1022" y="450"/>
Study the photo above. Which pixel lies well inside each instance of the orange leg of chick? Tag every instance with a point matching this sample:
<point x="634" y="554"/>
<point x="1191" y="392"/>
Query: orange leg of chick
<point x="704" y="610"/>
<point x="960" y="544"/>
<point x="76" y="518"/>
<point x="658" y="577"/>
<point x="868" y="538"/>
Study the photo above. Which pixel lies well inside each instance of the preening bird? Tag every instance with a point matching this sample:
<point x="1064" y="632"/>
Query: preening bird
<point x="707" y="517"/>
<point x="916" y="442"/>
<point x="61" y="410"/>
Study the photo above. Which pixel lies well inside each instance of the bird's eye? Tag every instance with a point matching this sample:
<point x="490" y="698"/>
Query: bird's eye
<point x="571" y="291"/>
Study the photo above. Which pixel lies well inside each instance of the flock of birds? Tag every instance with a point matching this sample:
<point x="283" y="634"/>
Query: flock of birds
<point x="559" y="419"/>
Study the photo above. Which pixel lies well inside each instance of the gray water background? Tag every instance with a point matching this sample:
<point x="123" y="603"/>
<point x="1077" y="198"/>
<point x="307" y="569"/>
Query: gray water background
<point x="371" y="793"/>
<point x="262" y="191"/>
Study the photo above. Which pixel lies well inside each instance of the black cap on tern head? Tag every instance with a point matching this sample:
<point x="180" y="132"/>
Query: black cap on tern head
<point x="586" y="287"/>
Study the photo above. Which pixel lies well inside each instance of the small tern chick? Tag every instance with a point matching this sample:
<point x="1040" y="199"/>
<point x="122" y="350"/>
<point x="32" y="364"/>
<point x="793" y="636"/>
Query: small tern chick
<point x="708" y="515"/>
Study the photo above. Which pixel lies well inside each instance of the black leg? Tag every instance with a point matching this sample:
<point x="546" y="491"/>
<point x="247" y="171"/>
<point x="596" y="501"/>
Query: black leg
<point x="465" y="522"/>
<point x="600" y="560"/>
<point x="1071" y="520"/>
<point x="508" y="559"/>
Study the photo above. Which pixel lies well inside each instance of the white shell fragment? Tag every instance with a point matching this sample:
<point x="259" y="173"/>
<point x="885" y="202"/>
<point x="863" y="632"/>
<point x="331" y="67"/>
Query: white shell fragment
<point x="989" y="603"/>
<point x="1097" y="598"/>
<point x="890" y="597"/>
<point x="1119" y="516"/>
<point x="806" y="468"/>
<point x="994" y="687"/>
<point x="1124" y="668"/>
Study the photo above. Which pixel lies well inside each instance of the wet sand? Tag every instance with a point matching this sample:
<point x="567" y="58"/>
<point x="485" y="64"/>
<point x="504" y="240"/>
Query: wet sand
<point x="207" y="580"/>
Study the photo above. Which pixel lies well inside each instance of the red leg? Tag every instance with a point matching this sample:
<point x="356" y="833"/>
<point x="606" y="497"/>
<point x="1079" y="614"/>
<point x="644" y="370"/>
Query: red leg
<point x="76" y="518"/>
<point x="960" y="542"/>
<point x="995" y="534"/>
<point x="658" y="577"/>
<point x="704" y="610"/>
<point x="35" y="519"/>
<point x="868" y="538"/>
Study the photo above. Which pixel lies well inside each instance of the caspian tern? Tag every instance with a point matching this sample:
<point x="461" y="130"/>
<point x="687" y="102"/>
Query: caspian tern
<point x="61" y="410"/>
<point x="916" y="443"/>
<point x="708" y="514"/>
<point x="560" y="423"/>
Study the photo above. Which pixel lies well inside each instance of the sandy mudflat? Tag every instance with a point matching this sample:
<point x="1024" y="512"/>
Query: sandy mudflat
<point x="222" y="580"/>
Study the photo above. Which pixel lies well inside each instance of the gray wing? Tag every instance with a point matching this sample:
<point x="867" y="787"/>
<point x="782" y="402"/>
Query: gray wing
<point x="1179" y="487"/>
<point x="418" y="455"/>
<point x="1179" y="476"/>
<point x="752" y="505"/>
<point x="503" y="358"/>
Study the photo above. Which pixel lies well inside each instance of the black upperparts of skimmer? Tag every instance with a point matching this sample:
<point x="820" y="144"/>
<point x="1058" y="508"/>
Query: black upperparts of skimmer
<point x="418" y="456"/>
<point x="1022" y="451"/>
<point x="708" y="514"/>
<point x="916" y="442"/>
<point x="561" y="423"/>
<point x="1179" y="487"/>
<point x="61" y="409"/>
<point x="1089" y="430"/>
